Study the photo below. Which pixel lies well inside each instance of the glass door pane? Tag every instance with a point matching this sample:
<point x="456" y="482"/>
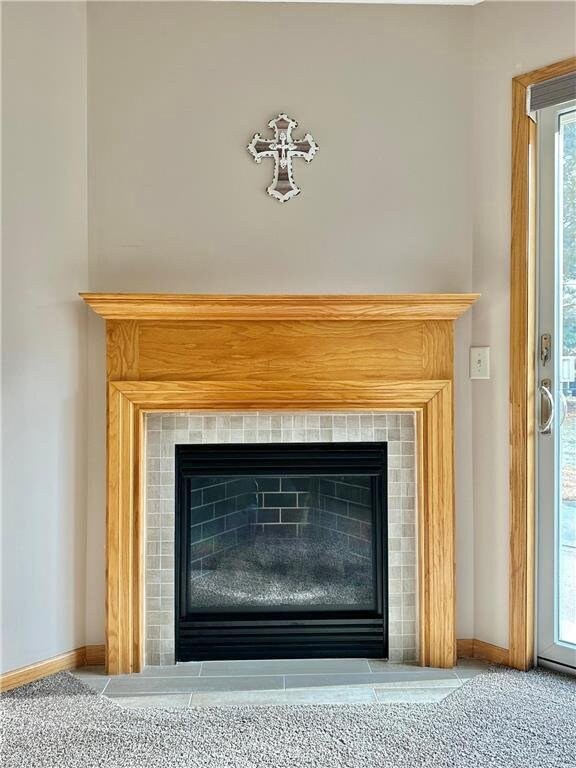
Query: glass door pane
<point x="281" y="542"/>
<point x="556" y="610"/>
<point x="566" y="232"/>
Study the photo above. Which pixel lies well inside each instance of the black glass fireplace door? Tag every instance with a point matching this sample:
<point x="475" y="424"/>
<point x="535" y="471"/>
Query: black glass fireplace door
<point x="280" y="550"/>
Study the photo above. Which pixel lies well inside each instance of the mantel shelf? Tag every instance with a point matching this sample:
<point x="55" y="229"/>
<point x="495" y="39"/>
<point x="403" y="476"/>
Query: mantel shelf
<point x="167" y="306"/>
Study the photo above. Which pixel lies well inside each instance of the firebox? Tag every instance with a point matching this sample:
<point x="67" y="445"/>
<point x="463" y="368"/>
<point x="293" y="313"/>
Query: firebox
<point x="281" y="551"/>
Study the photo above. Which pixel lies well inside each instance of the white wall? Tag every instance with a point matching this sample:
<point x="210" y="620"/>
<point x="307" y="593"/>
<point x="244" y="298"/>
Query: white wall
<point x="421" y="96"/>
<point x="177" y="204"/>
<point x="509" y="39"/>
<point x="176" y="91"/>
<point x="44" y="340"/>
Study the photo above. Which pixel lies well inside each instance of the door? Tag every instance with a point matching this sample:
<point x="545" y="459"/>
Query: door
<point x="556" y="393"/>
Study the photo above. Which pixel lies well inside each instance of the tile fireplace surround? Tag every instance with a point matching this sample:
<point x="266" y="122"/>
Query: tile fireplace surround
<point x="164" y="431"/>
<point x="279" y="356"/>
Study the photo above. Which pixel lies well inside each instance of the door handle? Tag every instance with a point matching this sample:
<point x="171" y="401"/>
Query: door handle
<point x="547" y="407"/>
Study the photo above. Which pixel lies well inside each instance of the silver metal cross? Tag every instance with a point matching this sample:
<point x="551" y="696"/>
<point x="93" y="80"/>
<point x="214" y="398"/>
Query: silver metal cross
<point x="282" y="148"/>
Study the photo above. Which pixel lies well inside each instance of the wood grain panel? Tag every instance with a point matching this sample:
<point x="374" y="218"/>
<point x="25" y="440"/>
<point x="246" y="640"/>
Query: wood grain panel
<point x="122" y="523"/>
<point x="95" y="655"/>
<point x="522" y="370"/>
<point x="438" y="525"/>
<point x="231" y="395"/>
<point x="283" y="351"/>
<point x="437" y="349"/>
<point x="122" y="350"/>
<point x="158" y="306"/>
<point x="522" y="339"/>
<point x="465" y="648"/>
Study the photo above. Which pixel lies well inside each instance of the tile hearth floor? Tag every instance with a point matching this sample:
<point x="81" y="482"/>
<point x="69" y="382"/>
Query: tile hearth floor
<point x="287" y="681"/>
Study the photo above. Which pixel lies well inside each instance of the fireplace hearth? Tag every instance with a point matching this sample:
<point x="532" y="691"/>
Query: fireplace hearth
<point x="281" y="551"/>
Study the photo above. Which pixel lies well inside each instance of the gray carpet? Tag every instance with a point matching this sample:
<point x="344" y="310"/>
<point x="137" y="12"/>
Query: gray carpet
<point x="502" y="719"/>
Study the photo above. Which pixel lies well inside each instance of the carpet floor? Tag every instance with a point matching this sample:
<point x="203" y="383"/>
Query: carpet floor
<point x="501" y="719"/>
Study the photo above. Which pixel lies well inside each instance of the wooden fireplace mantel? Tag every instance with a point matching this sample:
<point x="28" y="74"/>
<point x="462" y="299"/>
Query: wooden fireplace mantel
<point x="167" y="306"/>
<point x="187" y="352"/>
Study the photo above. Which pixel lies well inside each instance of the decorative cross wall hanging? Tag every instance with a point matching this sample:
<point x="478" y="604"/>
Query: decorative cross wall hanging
<point x="282" y="148"/>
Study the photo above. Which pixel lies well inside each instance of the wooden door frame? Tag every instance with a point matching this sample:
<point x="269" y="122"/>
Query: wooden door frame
<point x="522" y="367"/>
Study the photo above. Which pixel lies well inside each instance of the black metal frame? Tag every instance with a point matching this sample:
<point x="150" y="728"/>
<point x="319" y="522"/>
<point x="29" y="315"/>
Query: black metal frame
<point x="292" y="632"/>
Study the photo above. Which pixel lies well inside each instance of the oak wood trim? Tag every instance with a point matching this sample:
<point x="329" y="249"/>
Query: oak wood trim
<point x="290" y="350"/>
<point x="522" y="371"/>
<point x="40" y="669"/>
<point x="84" y="656"/>
<point x="95" y="656"/>
<point x="438" y="530"/>
<point x="129" y="400"/>
<point x="478" y="649"/>
<point x="158" y="306"/>
<point x="228" y="395"/>
<point x="423" y="549"/>
<point x="122" y="558"/>
<point x="492" y="653"/>
<point x="559" y="68"/>
<point x="465" y="648"/>
<point x="123" y="348"/>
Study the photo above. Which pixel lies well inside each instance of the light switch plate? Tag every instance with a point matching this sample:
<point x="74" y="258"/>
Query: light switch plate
<point x="479" y="362"/>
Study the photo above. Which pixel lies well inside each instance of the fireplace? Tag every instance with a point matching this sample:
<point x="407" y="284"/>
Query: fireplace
<point x="281" y="550"/>
<point x="284" y="354"/>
